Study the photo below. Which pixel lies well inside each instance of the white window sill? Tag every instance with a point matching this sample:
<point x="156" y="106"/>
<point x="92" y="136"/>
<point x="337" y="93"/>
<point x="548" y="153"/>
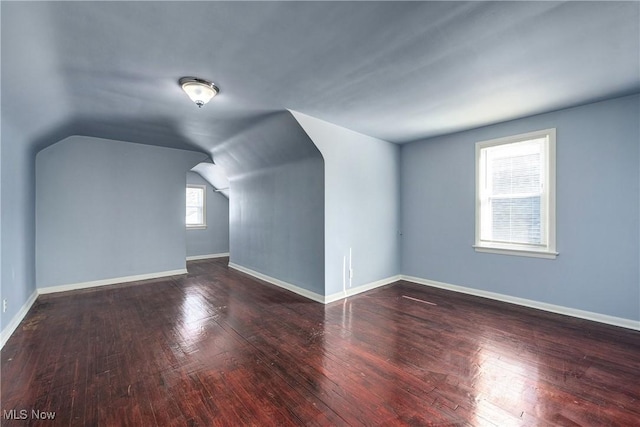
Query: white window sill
<point x="516" y="251"/>
<point x="196" y="227"/>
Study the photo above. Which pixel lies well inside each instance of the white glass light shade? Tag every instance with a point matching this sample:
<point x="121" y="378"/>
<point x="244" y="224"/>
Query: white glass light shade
<point x="200" y="91"/>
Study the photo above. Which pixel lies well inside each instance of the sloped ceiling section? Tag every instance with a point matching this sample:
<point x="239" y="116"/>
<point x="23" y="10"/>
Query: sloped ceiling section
<point x="214" y="175"/>
<point x="274" y="139"/>
<point x="270" y="141"/>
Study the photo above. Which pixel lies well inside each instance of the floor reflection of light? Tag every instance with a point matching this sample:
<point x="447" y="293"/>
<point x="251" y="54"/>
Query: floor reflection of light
<point x="504" y="387"/>
<point x="346" y="315"/>
<point x="193" y="317"/>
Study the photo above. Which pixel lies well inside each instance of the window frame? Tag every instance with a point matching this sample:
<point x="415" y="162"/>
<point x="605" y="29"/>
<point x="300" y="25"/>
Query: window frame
<point x="548" y="200"/>
<point x="203" y="225"/>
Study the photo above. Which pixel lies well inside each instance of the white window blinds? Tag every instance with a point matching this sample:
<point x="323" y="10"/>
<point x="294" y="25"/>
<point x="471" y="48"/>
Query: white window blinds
<point x="513" y="193"/>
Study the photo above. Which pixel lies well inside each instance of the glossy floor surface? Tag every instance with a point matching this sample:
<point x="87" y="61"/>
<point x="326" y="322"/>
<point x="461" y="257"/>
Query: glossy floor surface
<point x="218" y="347"/>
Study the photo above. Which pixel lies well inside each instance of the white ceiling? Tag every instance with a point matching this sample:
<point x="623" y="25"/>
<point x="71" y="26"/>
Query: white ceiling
<point x="398" y="71"/>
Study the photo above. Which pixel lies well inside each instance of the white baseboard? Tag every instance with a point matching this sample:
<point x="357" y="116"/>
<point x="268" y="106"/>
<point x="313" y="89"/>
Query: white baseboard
<point x="567" y="311"/>
<point x="15" y="321"/>
<point x="312" y="295"/>
<point x="209" y="256"/>
<point x="582" y="314"/>
<point x="359" y="289"/>
<point x="288" y="286"/>
<point x="113" y="281"/>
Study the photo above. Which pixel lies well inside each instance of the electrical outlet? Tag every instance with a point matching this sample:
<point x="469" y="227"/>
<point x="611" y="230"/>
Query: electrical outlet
<point x="4" y="305"/>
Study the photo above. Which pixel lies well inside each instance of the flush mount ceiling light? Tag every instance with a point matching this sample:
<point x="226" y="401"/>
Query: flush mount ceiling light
<point x="200" y="91"/>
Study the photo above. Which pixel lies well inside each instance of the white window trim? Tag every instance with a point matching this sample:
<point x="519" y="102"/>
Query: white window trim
<point x="204" y="208"/>
<point x="549" y="250"/>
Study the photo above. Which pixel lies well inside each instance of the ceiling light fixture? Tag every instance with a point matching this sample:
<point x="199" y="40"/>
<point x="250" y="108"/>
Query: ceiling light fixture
<point x="200" y="91"/>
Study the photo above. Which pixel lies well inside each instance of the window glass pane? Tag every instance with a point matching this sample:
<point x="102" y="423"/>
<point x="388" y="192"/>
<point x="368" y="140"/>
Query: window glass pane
<point x="513" y="193"/>
<point x="516" y="175"/>
<point x="516" y="220"/>
<point x="194" y="196"/>
<point x="194" y="216"/>
<point x="195" y="206"/>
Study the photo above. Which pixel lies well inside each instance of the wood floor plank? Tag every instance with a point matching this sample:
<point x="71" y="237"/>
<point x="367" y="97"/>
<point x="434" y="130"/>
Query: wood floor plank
<point x="218" y="347"/>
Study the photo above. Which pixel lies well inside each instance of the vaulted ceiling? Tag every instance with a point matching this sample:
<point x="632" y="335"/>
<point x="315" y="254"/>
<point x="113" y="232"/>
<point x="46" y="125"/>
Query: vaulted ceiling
<point x="398" y="71"/>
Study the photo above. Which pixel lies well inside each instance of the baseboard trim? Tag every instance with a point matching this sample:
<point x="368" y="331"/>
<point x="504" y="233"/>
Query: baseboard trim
<point x="312" y="295"/>
<point x="15" y="321"/>
<point x="209" y="256"/>
<point x="280" y="283"/>
<point x="113" y="281"/>
<point x="559" y="309"/>
<point x="359" y="289"/>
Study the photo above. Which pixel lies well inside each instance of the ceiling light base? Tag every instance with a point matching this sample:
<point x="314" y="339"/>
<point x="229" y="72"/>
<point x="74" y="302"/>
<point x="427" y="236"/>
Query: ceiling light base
<point x="199" y="91"/>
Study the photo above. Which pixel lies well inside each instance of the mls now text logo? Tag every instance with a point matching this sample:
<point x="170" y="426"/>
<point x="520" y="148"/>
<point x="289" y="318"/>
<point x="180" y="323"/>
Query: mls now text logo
<point x="23" y="414"/>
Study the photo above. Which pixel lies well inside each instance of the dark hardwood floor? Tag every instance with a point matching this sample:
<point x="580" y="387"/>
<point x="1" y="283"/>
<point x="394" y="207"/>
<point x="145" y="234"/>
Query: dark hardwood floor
<point x="217" y="347"/>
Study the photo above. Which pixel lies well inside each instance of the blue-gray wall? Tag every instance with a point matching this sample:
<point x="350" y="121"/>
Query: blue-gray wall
<point x="598" y="212"/>
<point x="362" y="199"/>
<point x="107" y="209"/>
<point x="17" y="222"/>
<point x="276" y="221"/>
<point x="215" y="238"/>
<point x="276" y="201"/>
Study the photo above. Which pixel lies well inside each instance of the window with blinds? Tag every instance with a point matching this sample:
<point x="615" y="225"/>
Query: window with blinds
<point x="515" y="206"/>
<point x="196" y="206"/>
